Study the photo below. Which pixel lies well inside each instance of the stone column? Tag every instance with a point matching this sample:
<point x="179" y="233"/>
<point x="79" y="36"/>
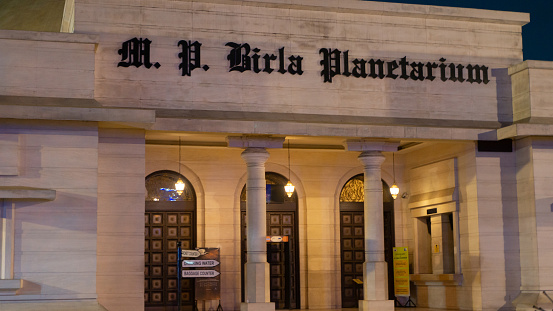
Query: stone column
<point x="257" y="267"/>
<point x="375" y="273"/>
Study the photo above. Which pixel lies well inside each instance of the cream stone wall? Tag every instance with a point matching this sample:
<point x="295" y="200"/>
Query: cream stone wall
<point x="47" y="65"/>
<point x="543" y="164"/>
<point x="498" y="229"/>
<point x="55" y="241"/>
<point x="120" y="250"/>
<point x="367" y="29"/>
<point x="531" y="86"/>
<point x="488" y="228"/>
<point x="467" y="295"/>
<point x="533" y="176"/>
<point x="527" y="214"/>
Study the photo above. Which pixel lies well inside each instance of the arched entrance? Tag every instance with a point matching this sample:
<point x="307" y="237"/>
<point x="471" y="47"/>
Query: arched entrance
<point x="352" y="238"/>
<point x="283" y="257"/>
<point x="170" y="217"/>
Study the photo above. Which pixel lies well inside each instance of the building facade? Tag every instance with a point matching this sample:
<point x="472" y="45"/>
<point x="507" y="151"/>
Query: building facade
<point x="104" y="111"/>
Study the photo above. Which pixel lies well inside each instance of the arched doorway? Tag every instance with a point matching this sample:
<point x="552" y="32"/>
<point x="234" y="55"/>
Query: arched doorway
<point x="170" y="217"/>
<point x="352" y="238"/>
<point x="283" y="257"/>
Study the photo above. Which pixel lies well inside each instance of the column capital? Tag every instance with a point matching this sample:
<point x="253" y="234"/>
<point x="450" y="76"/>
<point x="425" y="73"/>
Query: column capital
<point x="255" y="155"/>
<point x="371" y="158"/>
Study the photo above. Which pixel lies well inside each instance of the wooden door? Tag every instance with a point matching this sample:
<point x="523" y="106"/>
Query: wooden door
<point x="352" y="239"/>
<point x="283" y="260"/>
<point x="163" y="229"/>
<point x="170" y="217"/>
<point x="352" y="246"/>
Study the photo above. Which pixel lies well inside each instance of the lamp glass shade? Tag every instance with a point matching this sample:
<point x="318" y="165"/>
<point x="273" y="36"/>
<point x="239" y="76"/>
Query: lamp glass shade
<point x="289" y="188"/>
<point x="179" y="186"/>
<point x="394" y="191"/>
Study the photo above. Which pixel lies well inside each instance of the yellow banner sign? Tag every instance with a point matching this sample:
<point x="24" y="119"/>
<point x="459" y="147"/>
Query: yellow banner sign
<point x="401" y="271"/>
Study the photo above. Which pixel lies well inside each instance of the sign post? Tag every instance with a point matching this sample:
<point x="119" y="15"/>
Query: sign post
<point x="179" y="256"/>
<point x="203" y="265"/>
<point x="208" y="280"/>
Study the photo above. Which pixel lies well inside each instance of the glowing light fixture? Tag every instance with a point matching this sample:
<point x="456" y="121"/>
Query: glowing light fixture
<point x="289" y="188"/>
<point x="394" y="189"/>
<point x="179" y="185"/>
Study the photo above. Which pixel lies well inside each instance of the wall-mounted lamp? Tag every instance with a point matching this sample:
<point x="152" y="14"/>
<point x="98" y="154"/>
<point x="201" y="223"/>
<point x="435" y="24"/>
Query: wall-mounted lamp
<point x="179" y="185"/>
<point x="289" y="188"/>
<point x="394" y="189"/>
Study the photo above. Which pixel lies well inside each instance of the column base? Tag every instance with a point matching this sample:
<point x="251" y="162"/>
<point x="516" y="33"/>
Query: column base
<point x="257" y="279"/>
<point x="257" y="306"/>
<point x="376" y="305"/>
<point x="375" y="281"/>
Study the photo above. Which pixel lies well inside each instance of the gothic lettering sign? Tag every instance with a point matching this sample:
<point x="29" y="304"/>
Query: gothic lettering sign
<point x="242" y="57"/>
<point x="136" y="52"/>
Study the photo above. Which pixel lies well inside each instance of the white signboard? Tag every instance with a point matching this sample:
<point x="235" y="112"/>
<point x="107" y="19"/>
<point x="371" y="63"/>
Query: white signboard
<point x="199" y="263"/>
<point x="190" y="253"/>
<point x="199" y="273"/>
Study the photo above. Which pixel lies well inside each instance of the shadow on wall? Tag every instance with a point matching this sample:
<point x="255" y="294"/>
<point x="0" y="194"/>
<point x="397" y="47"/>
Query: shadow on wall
<point x="55" y="244"/>
<point x="511" y="242"/>
<point x="504" y="96"/>
<point x="509" y="215"/>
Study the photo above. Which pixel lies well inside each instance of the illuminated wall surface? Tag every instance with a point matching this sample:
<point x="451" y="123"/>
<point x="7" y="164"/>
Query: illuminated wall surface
<point x="95" y="96"/>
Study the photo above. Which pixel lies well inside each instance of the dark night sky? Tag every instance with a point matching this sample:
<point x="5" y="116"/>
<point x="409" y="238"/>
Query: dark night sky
<point x="537" y="36"/>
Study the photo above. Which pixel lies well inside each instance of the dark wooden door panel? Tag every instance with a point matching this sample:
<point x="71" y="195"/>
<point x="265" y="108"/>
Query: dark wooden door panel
<point x="163" y="230"/>
<point x="353" y="255"/>
<point x="352" y="246"/>
<point x="283" y="258"/>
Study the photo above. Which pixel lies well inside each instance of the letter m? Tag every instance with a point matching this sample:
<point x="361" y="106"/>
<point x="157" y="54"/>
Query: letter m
<point x="477" y="74"/>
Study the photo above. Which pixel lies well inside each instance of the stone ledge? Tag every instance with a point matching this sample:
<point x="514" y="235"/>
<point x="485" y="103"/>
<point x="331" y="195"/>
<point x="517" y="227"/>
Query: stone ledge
<point x="437" y="279"/>
<point x="27" y="193"/>
<point x="45" y="305"/>
<point x="524" y="130"/>
<point x="49" y="36"/>
<point x="530" y="64"/>
<point x="286" y="128"/>
<point x="77" y="114"/>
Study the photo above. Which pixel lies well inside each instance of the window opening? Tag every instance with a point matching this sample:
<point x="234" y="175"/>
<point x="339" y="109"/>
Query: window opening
<point x="160" y="186"/>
